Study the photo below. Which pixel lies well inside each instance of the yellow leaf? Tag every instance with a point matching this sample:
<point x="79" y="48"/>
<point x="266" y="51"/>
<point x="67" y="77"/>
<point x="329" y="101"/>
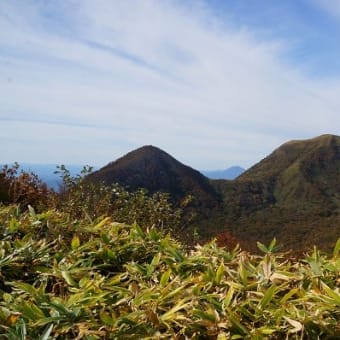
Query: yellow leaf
<point x="102" y="223"/>
<point x="75" y="243"/>
<point x="12" y="319"/>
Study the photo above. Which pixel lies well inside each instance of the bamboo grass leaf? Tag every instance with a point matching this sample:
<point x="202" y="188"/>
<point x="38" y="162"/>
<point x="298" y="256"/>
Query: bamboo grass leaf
<point x="229" y="296"/>
<point x="219" y="273"/>
<point x="296" y="324"/>
<point x="171" y="313"/>
<point x="173" y="292"/>
<point x="272" y="245"/>
<point x="68" y="278"/>
<point x="31" y="311"/>
<point x="332" y="294"/>
<point x="155" y="261"/>
<point x="139" y="230"/>
<point x="75" y="243"/>
<point x="243" y="274"/>
<point x="47" y="332"/>
<point x="107" y="318"/>
<point x="204" y="315"/>
<point x="165" y="278"/>
<point x="267" y="267"/>
<point x="336" y="249"/>
<point x="236" y="322"/>
<point x="268" y="296"/>
<point x="267" y="330"/>
<point x="102" y="223"/>
<point x="26" y="287"/>
<point x="262" y="247"/>
<point x="60" y="308"/>
<point x="288" y="295"/>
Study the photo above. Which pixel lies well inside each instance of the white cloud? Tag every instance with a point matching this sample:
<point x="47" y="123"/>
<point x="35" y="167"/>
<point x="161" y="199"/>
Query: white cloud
<point x="149" y="72"/>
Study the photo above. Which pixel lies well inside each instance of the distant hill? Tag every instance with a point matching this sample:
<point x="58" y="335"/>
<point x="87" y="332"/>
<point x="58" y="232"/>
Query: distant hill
<point x="302" y="174"/>
<point x="229" y="173"/>
<point x="293" y="194"/>
<point x="153" y="169"/>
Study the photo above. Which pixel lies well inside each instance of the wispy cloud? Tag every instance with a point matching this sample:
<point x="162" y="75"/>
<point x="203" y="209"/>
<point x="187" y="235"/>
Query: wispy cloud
<point x="129" y="73"/>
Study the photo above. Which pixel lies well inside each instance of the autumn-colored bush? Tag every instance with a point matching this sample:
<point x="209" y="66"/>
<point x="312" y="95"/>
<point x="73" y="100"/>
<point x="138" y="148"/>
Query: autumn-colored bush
<point x="22" y="187"/>
<point x="84" y="199"/>
<point x="226" y="239"/>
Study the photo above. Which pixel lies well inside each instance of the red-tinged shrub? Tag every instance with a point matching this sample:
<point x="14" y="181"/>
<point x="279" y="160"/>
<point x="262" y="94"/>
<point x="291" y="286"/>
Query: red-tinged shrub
<point x="226" y="239"/>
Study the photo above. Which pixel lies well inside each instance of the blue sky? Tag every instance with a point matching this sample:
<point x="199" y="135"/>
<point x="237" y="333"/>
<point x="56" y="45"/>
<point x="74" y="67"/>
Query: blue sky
<point x="214" y="83"/>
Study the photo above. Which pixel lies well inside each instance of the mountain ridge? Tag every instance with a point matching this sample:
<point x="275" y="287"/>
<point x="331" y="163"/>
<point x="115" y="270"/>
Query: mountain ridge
<point x="294" y="191"/>
<point x="153" y="169"/>
<point x="228" y="173"/>
<point x="293" y="194"/>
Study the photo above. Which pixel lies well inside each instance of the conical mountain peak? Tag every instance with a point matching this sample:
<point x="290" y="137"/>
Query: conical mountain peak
<point x="155" y="170"/>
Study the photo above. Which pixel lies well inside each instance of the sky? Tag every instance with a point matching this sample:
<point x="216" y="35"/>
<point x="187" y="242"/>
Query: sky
<point x="214" y="83"/>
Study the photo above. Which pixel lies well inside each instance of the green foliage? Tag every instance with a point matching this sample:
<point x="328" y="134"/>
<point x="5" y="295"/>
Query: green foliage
<point x="270" y="249"/>
<point x="103" y="279"/>
<point x="94" y="261"/>
<point x="80" y="198"/>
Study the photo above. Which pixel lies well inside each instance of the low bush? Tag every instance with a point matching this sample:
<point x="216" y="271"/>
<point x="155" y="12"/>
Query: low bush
<point x="75" y="279"/>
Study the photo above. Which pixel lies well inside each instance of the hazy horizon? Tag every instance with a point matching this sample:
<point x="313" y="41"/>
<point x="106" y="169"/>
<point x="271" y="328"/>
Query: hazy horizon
<point x="96" y="166"/>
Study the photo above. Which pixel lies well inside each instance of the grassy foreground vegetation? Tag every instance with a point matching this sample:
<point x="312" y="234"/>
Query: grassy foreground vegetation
<point x="69" y="270"/>
<point x="94" y="280"/>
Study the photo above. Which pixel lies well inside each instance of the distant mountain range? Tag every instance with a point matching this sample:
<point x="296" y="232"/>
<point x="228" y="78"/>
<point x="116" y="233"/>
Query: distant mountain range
<point x="293" y="194"/>
<point x="229" y="173"/>
<point x="46" y="172"/>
